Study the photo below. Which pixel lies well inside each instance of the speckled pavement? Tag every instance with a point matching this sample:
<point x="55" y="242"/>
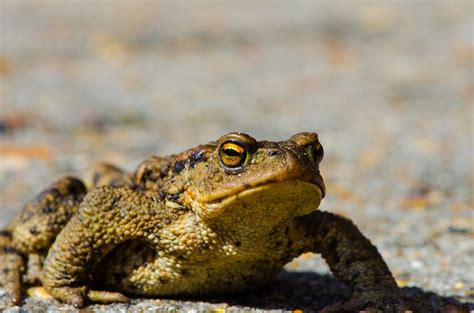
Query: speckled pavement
<point x="389" y="86"/>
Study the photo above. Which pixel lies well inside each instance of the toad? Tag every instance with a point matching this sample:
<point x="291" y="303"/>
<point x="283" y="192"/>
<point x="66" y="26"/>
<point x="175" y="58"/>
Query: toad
<point x="217" y="218"/>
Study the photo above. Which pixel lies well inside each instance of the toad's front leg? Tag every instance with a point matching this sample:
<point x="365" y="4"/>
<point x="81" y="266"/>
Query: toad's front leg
<point x="107" y="217"/>
<point x="352" y="259"/>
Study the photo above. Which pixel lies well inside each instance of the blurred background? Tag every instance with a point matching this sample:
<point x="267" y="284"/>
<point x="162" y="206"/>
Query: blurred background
<point x="388" y="85"/>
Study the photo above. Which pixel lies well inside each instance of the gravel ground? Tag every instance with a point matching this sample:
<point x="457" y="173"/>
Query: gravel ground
<point x="389" y="87"/>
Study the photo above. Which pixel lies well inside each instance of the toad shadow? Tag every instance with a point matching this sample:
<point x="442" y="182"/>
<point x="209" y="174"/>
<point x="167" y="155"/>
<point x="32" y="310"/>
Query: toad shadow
<point x="310" y="292"/>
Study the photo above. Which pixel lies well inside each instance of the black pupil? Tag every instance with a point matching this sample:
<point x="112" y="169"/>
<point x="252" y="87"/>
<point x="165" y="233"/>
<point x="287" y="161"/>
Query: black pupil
<point x="231" y="152"/>
<point x="318" y="152"/>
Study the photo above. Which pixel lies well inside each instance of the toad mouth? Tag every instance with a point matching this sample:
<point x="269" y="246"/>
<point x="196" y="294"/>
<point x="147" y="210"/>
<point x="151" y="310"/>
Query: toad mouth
<point x="241" y="190"/>
<point x="215" y="207"/>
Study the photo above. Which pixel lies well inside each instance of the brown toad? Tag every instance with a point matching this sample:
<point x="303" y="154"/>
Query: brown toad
<point x="219" y="217"/>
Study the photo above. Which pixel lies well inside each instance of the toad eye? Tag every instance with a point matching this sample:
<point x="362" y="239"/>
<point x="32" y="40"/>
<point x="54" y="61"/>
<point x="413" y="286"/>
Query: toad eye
<point x="232" y="154"/>
<point x="316" y="151"/>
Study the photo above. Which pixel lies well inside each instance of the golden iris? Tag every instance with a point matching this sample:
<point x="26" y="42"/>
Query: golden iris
<point x="232" y="154"/>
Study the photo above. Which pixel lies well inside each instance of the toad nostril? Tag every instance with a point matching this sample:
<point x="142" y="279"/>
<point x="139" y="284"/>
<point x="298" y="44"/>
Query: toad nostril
<point x="274" y="153"/>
